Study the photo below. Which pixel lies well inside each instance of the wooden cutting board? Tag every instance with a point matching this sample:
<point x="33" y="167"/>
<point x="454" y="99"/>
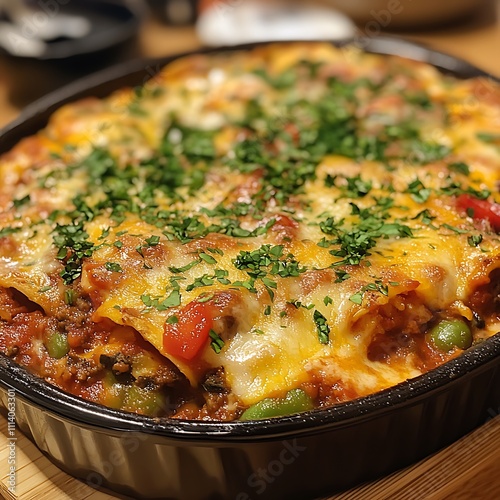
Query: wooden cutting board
<point x="468" y="469"/>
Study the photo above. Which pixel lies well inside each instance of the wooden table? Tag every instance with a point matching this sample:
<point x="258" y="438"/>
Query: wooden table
<point x="465" y="470"/>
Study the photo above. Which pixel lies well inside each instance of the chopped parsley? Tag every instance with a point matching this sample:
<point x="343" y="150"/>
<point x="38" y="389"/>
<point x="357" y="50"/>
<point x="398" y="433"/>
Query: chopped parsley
<point x="454" y="229"/>
<point x="418" y="191"/>
<point x="423" y="153"/>
<point x="9" y="230"/>
<point x="173" y="300"/>
<point x="187" y="267"/>
<point x="280" y="81"/>
<point x="460" y="167"/>
<point x="376" y="286"/>
<point x="69" y="296"/>
<point x="21" y="201"/>
<point x="74" y="246"/>
<point x="152" y="241"/>
<point x="220" y="276"/>
<point x="216" y="342"/>
<point x="207" y="258"/>
<point x="113" y="267"/>
<point x="322" y="327"/>
<point x="426" y="217"/>
<point x="421" y="99"/>
<point x="489" y="138"/>
<point x="356" y="242"/>
<point x="356" y="187"/>
<point x="264" y="261"/>
<point x="475" y="240"/>
<point x="357" y="298"/>
<point x="455" y="189"/>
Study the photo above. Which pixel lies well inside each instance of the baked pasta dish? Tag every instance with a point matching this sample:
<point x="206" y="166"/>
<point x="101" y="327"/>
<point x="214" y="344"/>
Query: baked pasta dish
<point x="254" y="233"/>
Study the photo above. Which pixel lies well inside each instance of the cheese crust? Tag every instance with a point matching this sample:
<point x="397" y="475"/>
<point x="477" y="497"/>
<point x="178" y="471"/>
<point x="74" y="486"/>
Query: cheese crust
<point x="292" y="217"/>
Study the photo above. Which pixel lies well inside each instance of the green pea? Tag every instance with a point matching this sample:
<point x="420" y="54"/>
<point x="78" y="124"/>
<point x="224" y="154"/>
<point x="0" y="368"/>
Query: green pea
<point x="451" y="333"/>
<point x="57" y="345"/>
<point x="295" y="401"/>
<point x="114" y="392"/>
<point x="146" y="401"/>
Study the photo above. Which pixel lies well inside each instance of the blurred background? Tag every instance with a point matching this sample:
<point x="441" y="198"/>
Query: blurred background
<point x="47" y="43"/>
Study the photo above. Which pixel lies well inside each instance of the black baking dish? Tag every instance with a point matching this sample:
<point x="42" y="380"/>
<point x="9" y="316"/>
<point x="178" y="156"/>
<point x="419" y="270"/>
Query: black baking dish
<point x="300" y="456"/>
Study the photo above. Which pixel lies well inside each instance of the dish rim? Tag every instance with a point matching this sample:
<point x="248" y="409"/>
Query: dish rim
<point x="65" y="405"/>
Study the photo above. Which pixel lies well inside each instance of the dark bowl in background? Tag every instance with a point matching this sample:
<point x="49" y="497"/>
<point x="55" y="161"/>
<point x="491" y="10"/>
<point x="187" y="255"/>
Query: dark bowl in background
<point x="405" y="14"/>
<point x="113" y="37"/>
<point x="300" y="456"/>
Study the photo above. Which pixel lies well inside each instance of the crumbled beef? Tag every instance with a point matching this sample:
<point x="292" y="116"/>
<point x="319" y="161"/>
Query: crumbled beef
<point x="82" y="369"/>
<point x="215" y="381"/>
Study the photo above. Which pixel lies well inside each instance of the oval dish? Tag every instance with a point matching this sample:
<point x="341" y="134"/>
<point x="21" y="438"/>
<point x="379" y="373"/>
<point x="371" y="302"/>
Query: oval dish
<point x="301" y="456"/>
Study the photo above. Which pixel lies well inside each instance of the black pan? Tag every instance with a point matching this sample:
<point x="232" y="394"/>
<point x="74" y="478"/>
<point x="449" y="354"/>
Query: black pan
<point x="301" y="456"/>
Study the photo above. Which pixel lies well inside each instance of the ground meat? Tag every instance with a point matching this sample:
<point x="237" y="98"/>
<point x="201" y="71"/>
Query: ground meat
<point x="485" y="300"/>
<point x="397" y="326"/>
<point x="167" y="374"/>
<point x="13" y="302"/>
<point x="82" y="369"/>
<point x="221" y="407"/>
<point x="215" y="381"/>
<point x="383" y="347"/>
<point x="118" y="364"/>
<point x="25" y="329"/>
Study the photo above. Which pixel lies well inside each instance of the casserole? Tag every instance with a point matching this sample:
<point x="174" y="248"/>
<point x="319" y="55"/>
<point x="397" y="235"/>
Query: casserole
<point x="248" y="436"/>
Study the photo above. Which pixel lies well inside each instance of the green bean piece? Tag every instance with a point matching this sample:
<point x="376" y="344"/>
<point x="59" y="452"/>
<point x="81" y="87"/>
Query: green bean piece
<point x="146" y="401"/>
<point x="114" y="392"/>
<point x="451" y="333"/>
<point x="295" y="401"/>
<point x="57" y="345"/>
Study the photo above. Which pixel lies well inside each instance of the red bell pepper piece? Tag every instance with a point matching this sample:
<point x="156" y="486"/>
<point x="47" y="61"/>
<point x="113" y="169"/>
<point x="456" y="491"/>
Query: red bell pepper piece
<point x="186" y="338"/>
<point x="481" y="210"/>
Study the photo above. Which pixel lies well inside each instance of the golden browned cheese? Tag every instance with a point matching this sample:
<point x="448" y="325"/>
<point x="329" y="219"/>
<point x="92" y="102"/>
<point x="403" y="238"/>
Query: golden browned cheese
<point x="312" y="197"/>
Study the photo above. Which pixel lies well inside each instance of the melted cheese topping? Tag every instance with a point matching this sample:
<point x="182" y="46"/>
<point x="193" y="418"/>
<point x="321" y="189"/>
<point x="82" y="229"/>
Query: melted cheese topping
<point x="307" y="194"/>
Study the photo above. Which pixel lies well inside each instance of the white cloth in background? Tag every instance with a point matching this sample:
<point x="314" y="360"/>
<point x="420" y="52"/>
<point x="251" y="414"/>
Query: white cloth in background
<point x="232" y="22"/>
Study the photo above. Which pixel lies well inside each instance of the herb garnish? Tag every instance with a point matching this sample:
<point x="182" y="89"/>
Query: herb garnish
<point x="113" y="267"/>
<point x="267" y="260"/>
<point x="74" y="246"/>
<point x="322" y="327"/>
<point x="173" y="300"/>
<point x="216" y="342"/>
<point x="377" y="286"/>
<point x="5" y="231"/>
